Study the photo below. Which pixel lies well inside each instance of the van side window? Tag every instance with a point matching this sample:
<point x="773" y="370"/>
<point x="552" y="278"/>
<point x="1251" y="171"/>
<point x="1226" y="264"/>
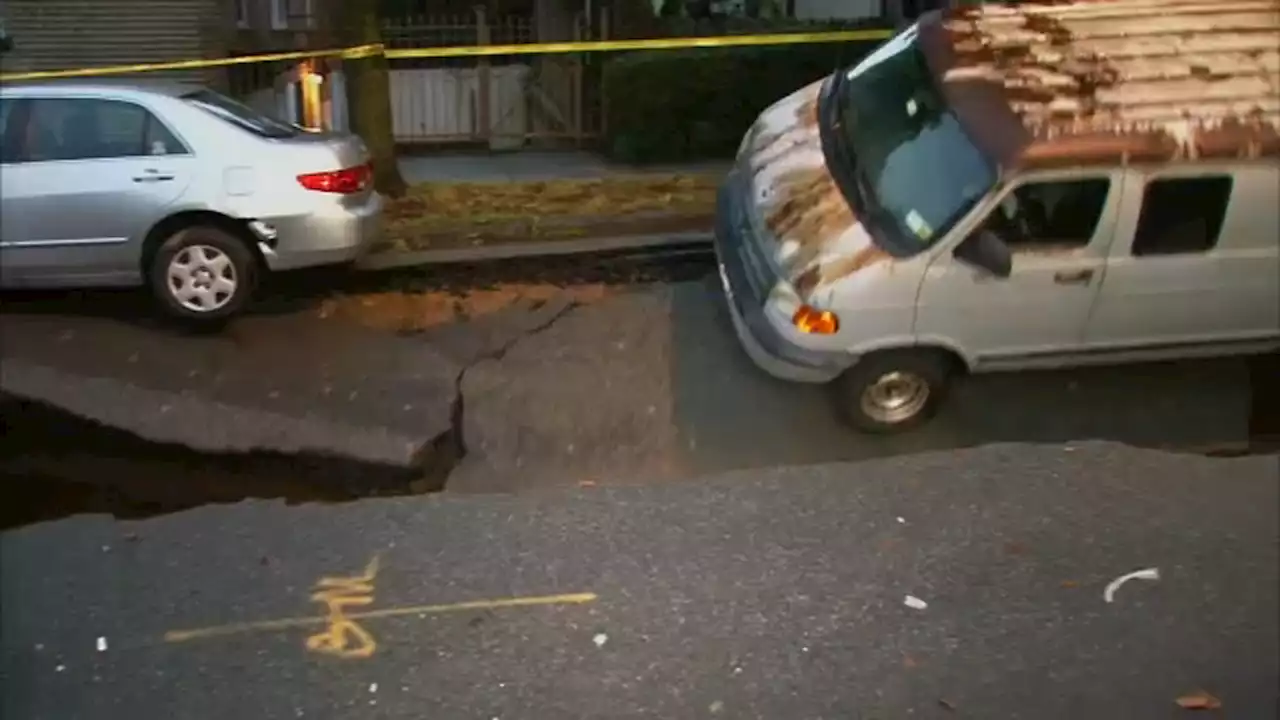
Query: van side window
<point x="1057" y="214"/>
<point x="1181" y="215"/>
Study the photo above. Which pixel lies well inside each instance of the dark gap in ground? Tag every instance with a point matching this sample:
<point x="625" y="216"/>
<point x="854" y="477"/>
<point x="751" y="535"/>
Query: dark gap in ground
<point x="54" y="464"/>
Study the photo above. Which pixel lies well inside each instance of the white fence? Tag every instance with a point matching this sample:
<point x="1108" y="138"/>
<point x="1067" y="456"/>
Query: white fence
<point x="442" y="104"/>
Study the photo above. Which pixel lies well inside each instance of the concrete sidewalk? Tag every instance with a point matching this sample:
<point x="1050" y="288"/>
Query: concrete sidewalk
<point x="533" y="165"/>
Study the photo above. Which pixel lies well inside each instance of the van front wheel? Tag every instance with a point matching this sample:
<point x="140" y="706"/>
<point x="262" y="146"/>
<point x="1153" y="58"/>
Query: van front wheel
<point x="894" y="391"/>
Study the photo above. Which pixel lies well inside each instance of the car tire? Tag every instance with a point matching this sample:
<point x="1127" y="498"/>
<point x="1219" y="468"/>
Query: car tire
<point x="203" y="275"/>
<point x="893" y="391"/>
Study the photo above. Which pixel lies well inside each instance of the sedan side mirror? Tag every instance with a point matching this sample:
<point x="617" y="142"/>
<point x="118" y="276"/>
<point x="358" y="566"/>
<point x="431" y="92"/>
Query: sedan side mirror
<point x="986" y="250"/>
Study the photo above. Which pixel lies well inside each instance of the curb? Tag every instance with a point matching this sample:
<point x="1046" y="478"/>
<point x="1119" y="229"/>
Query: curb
<point x="543" y="248"/>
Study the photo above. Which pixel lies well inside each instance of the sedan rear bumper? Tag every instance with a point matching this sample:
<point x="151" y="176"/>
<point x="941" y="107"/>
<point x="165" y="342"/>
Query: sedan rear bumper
<point x="330" y="236"/>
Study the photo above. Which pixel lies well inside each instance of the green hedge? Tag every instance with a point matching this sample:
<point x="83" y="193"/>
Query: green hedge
<point x="677" y="105"/>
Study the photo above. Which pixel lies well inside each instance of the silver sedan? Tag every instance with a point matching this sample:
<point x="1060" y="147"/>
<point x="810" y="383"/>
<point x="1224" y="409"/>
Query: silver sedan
<point x="175" y="187"/>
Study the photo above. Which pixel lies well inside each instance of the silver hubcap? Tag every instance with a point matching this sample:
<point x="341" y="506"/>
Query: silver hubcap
<point x="895" y="397"/>
<point x="202" y="278"/>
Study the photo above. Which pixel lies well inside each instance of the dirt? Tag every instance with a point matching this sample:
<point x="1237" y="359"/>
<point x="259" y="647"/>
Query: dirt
<point x="416" y="311"/>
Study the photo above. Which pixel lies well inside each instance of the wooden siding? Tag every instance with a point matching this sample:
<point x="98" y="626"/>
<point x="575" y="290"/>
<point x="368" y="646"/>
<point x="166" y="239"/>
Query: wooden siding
<point x="68" y="34"/>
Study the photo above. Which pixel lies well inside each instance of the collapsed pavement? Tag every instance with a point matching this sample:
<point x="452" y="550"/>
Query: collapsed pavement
<point x="289" y="407"/>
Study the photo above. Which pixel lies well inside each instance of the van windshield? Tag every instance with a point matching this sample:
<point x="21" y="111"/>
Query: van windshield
<point x="913" y="162"/>
<point x="240" y="115"/>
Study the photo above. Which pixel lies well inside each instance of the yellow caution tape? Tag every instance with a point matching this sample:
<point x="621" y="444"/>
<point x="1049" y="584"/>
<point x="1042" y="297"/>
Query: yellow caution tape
<point x="346" y="53"/>
<point x="363" y="51"/>
<point x="621" y="45"/>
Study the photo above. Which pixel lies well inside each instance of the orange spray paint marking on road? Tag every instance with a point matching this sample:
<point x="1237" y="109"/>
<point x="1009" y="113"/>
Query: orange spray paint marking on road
<point x="409" y="611"/>
<point x="344" y="637"/>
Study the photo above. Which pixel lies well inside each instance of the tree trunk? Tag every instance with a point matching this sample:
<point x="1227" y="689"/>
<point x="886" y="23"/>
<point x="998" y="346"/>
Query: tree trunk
<point x="369" y="91"/>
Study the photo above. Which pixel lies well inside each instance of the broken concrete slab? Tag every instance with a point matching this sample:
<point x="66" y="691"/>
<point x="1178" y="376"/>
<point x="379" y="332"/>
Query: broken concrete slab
<point x="201" y="423"/>
<point x="287" y="384"/>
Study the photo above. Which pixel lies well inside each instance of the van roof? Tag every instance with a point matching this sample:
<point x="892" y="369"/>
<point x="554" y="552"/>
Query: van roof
<point x="1077" y="82"/>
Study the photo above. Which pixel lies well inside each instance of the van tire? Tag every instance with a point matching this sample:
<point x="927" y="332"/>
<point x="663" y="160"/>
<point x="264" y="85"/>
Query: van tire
<point x="893" y="391"/>
<point x="207" y="259"/>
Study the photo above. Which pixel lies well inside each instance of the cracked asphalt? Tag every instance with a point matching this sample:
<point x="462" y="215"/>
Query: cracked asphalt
<point x="771" y="593"/>
<point x="748" y="556"/>
<point x="640" y="384"/>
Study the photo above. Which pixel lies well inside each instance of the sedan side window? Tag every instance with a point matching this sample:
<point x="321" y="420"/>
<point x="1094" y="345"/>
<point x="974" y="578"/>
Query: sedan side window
<point x="8" y="131"/>
<point x="159" y="140"/>
<point x="85" y="129"/>
<point x="1052" y="215"/>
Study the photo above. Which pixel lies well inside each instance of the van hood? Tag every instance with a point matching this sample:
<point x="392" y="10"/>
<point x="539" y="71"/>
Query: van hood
<point x="802" y="218"/>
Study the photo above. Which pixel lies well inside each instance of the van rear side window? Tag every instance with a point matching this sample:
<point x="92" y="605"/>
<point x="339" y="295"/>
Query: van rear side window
<point x="1182" y="215"/>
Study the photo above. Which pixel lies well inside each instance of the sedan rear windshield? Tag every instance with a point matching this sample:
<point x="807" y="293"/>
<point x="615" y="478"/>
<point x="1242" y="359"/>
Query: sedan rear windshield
<point x="241" y="115"/>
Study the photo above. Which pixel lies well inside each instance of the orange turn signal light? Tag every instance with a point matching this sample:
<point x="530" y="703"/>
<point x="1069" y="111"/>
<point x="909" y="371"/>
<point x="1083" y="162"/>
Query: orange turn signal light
<point x="818" y="322"/>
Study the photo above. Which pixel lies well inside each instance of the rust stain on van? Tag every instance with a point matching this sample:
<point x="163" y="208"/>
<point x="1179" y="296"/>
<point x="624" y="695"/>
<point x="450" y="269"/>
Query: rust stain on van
<point x="810" y="211"/>
<point x="832" y="270"/>
<point x="807" y="113"/>
<point x="1110" y="81"/>
<point x="799" y="133"/>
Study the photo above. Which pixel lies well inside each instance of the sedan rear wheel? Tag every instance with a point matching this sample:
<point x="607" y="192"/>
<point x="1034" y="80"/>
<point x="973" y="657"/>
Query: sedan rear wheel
<point x="203" y="274"/>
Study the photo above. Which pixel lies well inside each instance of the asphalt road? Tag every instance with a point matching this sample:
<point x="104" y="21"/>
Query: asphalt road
<point x="653" y="384"/>
<point x="774" y="594"/>
<point x="640" y="384"/>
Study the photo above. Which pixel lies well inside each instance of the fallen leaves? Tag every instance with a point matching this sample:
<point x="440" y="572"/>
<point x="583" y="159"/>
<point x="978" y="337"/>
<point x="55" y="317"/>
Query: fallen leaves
<point x="450" y="214"/>
<point x="481" y="203"/>
<point x="1199" y="700"/>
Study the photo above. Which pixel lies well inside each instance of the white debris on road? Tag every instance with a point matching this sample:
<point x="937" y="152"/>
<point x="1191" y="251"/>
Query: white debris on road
<point x="102" y="644"/>
<point x="914" y="602"/>
<point x="600" y="639"/>
<point x="1109" y="593"/>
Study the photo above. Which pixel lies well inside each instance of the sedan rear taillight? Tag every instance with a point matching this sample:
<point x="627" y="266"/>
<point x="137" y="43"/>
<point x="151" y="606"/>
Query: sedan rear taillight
<point x="343" y="182"/>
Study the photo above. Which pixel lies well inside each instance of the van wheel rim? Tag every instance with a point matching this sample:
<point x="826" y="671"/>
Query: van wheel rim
<point x="202" y="278"/>
<point x="895" y="397"/>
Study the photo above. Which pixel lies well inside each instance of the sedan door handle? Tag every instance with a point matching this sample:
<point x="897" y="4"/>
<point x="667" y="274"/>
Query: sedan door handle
<point x="151" y="176"/>
<point x="1073" y="277"/>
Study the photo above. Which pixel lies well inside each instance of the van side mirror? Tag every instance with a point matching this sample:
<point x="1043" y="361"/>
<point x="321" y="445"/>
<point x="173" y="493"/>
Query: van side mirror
<point x="986" y="250"/>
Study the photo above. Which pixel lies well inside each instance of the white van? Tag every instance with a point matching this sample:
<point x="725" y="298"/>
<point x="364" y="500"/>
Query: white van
<point x="1001" y="188"/>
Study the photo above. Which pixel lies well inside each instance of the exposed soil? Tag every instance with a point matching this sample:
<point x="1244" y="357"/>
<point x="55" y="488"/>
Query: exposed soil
<point x="415" y="311"/>
<point x="434" y="215"/>
<point x="461" y="234"/>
